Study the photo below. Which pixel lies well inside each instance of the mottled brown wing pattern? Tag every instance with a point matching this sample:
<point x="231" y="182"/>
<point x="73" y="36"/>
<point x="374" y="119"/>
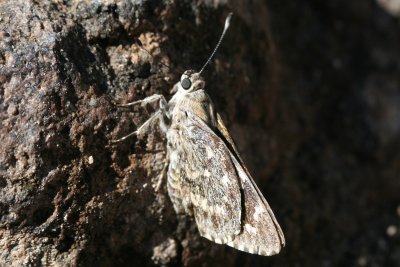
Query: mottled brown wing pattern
<point x="260" y="233"/>
<point x="214" y="184"/>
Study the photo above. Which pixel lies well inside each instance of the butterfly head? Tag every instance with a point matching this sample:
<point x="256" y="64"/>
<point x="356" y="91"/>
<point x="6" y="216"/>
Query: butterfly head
<point x="191" y="81"/>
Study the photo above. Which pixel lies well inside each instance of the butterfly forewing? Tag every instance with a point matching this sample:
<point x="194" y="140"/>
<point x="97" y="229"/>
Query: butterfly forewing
<point x="213" y="182"/>
<point x="260" y="233"/>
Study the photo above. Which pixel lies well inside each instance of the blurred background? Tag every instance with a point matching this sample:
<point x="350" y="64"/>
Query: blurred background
<point x="340" y="61"/>
<point x="335" y="122"/>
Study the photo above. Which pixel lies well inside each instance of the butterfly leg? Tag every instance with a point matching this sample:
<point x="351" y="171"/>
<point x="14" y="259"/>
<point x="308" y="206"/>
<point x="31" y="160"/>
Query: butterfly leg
<point x="142" y="129"/>
<point x="145" y="101"/>
<point x="160" y="115"/>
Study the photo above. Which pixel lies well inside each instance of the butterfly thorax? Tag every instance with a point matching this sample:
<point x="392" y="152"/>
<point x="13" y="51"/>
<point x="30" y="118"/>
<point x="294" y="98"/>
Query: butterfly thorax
<point x="198" y="103"/>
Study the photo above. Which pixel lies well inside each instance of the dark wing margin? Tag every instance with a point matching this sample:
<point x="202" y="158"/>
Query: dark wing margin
<point x="260" y="231"/>
<point x="214" y="183"/>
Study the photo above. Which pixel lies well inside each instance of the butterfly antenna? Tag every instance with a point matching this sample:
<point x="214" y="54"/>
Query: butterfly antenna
<point x="227" y="23"/>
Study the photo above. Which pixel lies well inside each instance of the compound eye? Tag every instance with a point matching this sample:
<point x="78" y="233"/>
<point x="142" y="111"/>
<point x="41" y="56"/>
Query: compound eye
<point x="186" y="83"/>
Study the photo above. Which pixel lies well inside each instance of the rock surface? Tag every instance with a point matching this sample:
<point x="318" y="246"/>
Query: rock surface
<point x="309" y="90"/>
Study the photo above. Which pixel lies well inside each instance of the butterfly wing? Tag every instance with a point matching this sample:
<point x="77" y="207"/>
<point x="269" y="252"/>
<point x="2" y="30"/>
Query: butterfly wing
<point x="258" y="213"/>
<point x="260" y="233"/>
<point x="213" y="181"/>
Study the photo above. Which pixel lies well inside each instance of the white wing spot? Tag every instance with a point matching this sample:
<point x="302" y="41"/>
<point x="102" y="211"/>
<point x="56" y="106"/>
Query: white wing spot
<point x="173" y="157"/>
<point x="194" y="199"/>
<point x="225" y="179"/>
<point x="252" y="230"/>
<point x="203" y="204"/>
<point x="259" y="210"/>
<point x="219" y="210"/>
<point x="242" y="175"/>
<point x="211" y="209"/>
<point x="195" y="174"/>
<point x="208" y="237"/>
<point x="207" y="173"/>
<point x="210" y="153"/>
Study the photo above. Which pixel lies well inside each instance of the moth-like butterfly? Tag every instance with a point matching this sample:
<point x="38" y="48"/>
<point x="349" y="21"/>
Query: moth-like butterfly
<point x="206" y="177"/>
